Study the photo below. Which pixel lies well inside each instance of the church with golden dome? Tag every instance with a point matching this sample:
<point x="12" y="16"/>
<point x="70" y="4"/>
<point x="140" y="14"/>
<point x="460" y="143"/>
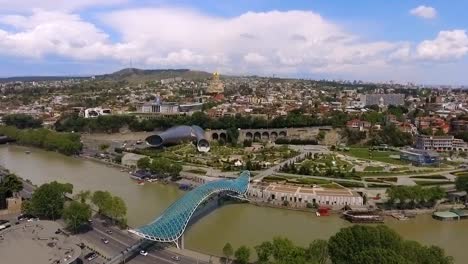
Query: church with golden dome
<point x="216" y="86"/>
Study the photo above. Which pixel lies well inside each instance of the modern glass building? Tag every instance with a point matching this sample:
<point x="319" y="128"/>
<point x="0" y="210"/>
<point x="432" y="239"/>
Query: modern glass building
<point x="177" y="134"/>
<point x="420" y="157"/>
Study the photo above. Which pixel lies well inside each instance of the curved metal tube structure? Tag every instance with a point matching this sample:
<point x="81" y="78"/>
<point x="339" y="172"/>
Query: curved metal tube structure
<point x="170" y="226"/>
<point x="177" y="134"/>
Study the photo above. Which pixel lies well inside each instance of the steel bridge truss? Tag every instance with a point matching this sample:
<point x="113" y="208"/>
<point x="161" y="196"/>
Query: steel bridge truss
<point x="170" y="226"/>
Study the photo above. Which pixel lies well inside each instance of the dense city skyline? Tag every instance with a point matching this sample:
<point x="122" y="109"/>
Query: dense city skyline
<point x="422" y="41"/>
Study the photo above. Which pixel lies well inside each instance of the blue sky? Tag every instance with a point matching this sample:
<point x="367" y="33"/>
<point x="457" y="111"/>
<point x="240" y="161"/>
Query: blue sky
<point x="405" y="41"/>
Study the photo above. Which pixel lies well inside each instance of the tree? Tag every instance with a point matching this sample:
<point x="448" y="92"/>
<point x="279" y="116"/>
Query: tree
<point x="113" y="207"/>
<point x="247" y="143"/>
<point x="83" y="196"/>
<point x="380" y="244"/>
<point x="242" y="255"/>
<point x="118" y="208"/>
<point x="103" y="201"/>
<point x="144" y="163"/>
<point x="232" y="135"/>
<point x="344" y="244"/>
<point x="317" y="252"/>
<point x="104" y="147"/>
<point x="462" y="183"/>
<point x="48" y="200"/>
<point x="76" y="214"/>
<point x="11" y="184"/>
<point x="321" y="135"/>
<point x="22" y="121"/>
<point x="264" y="251"/>
<point x="228" y="251"/>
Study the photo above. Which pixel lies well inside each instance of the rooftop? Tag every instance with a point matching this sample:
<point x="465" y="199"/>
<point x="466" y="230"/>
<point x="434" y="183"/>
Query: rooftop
<point x="42" y="244"/>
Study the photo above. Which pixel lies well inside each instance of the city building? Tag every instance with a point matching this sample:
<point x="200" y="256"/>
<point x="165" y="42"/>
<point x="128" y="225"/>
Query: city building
<point x="178" y="134"/>
<point x="383" y="99"/>
<point x="440" y="143"/>
<point x="459" y="125"/>
<point x="158" y="107"/>
<point x="301" y="196"/>
<point x="358" y="125"/>
<point x="95" y="112"/>
<point x="419" y="157"/>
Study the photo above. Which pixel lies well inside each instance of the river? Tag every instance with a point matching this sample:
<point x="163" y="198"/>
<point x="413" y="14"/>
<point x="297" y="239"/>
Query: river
<point x="239" y="224"/>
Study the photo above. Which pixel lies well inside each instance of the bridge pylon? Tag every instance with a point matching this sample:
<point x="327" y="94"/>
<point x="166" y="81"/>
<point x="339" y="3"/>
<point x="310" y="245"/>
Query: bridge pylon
<point x="180" y="242"/>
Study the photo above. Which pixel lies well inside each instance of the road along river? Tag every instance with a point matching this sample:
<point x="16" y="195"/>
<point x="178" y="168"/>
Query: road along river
<point x="239" y="224"/>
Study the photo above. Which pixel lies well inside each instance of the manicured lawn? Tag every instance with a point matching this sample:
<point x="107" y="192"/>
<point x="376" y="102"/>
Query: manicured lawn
<point x="197" y="171"/>
<point x="430" y="183"/>
<point x="373" y="168"/>
<point x="332" y="186"/>
<point x="383" y="156"/>
<point x="461" y="173"/>
<point x="378" y="185"/>
<point x="436" y="177"/>
<point x="309" y="181"/>
<point x="382" y="180"/>
<point x="350" y="184"/>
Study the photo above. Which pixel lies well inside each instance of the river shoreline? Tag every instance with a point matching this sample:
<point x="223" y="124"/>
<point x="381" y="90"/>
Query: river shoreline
<point x="122" y="168"/>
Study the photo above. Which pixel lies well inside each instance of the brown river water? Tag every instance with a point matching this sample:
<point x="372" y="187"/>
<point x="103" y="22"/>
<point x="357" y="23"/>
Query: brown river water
<point x="239" y="224"/>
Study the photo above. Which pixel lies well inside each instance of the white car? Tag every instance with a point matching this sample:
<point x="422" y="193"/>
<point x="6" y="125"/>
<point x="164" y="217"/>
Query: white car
<point x="143" y="253"/>
<point x="176" y="258"/>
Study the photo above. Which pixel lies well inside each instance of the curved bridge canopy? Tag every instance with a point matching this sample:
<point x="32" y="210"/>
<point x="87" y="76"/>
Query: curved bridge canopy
<point x="172" y="223"/>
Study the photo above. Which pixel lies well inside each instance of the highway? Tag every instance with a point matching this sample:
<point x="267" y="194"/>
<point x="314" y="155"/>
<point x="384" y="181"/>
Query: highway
<point x="120" y="241"/>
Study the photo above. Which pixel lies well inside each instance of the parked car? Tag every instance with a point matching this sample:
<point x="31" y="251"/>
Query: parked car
<point x="91" y="256"/>
<point x="104" y="240"/>
<point x="109" y="232"/>
<point x="28" y="217"/>
<point x="176" y="258"/>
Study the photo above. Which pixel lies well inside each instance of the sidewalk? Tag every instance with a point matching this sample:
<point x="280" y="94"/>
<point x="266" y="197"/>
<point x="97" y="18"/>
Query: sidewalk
<point x="196" y="255"/>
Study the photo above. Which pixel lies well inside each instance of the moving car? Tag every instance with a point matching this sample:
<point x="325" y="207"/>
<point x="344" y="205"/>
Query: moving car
<point x="143" y="253"/>
<point x="176" y="258"/>
<point x="109" y="232"/>
<point x="104" y="240"/>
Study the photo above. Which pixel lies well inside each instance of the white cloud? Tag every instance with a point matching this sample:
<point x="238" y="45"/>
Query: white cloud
<point x="255" y="58"/>
<point x="448" y="45"/>
<point x="292" y="40"/>
<point x="53" y="33"/>
<point x="259" y="43"/>
<point x="28" y="5"/>
<point x="423" y="11"/>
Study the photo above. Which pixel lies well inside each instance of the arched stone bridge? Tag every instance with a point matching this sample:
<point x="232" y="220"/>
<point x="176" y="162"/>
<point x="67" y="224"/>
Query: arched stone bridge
<point x="249" y="134"/>
<point x="267" y="134"/>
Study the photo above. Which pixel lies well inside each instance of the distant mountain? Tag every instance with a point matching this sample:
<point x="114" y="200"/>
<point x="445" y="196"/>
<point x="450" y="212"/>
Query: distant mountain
<point x="40" y="78"/>
<point x="134" y="75"/>
<point x="131" y="75"/>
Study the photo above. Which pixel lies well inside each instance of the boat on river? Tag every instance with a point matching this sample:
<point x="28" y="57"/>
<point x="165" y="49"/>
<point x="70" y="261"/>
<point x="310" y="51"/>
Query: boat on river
<point x="141" y="182"/>
<point x="363" y="217"/>
<point x="399" y="216"/>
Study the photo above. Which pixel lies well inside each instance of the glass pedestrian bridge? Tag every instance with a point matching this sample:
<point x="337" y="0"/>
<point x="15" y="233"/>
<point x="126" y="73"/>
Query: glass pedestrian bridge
<point x="170" y="226"/>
